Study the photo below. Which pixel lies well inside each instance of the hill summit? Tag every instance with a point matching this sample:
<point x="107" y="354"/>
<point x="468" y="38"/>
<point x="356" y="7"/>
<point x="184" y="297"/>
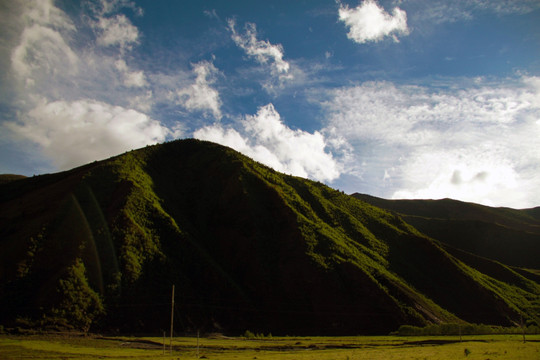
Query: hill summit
<point x="100" y="246"/>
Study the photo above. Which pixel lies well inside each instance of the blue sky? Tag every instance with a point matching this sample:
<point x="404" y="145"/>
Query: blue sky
<point x="397" y="99"/>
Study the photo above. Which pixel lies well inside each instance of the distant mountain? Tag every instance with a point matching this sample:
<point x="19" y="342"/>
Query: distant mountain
<point x="5" y="178"/>
<point x="100" y="246"/>
<point x="507" y="235"/>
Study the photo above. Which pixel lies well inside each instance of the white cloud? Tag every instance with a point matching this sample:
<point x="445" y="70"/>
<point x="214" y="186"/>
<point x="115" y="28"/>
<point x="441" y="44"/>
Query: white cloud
<point x="369" y="22"/>
<point x="142" y="102"/>
<point x="201" y="96"/>
<point x="103" y="7"/>
<point x="42" y="46"/>
<point x="47" y="60"/>
<point x="262" y="51"/>
<point x="131" y="78"/>
<point x="78" y="103"/>
<point x="43" y="12"/>
<point x="42" y="50"/>
<point x="117" y="30"/>
<point x="265" y="138"/>
<point x="212" y="14"/>
<point x="75" y="133"/>
<point x="480" y="143"/>
<point x="415" y="115"/>
<point x="442" y="11"/>
<point x="476" y="173"/>
<point x="507" y="6"/>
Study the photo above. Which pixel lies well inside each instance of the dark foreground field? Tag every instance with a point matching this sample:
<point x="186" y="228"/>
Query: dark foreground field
<point x="346" y="348"/>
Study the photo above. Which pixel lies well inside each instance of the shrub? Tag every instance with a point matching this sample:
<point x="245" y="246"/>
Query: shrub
<point x="79" y="304"/>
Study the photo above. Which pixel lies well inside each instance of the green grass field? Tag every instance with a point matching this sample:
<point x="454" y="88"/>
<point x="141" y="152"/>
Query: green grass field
<point x="300" y="348"/>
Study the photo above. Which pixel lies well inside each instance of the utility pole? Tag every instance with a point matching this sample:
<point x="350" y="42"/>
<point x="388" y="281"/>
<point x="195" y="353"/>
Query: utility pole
<point x="172" y="317"/>
<point x="522" y="327"/>
<point x="198" y="344"/>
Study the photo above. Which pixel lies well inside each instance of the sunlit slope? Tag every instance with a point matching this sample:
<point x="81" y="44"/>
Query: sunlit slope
<point x="100" y="246"/>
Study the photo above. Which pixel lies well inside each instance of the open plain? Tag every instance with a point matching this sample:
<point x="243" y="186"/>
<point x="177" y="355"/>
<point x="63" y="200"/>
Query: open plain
<point x="300" y="348"/>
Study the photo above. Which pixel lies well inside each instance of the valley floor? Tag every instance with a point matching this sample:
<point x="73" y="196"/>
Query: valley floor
<point x="299" y="348"/>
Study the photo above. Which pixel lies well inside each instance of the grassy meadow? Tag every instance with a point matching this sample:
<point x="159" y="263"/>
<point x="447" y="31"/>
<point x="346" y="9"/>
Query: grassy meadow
<point x="300" y="348"/>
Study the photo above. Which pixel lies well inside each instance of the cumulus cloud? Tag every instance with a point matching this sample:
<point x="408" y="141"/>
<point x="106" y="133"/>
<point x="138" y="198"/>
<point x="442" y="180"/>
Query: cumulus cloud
<point x="74" y="133"/>
<point x="78" y="104"/>
<point x="469" y="143"/>
<point x="201" y="96"/>
<point x="262" y="51"/>
<point x="46" y="58"/>
<point x="369" y="22"/>
<point x="265" y="138"/>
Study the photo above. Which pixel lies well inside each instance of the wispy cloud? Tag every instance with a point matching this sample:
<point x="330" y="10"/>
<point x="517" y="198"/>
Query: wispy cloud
<point x="42" y="48"/>
<point x="103" y="7"/>
<point x="116" y="31"/>
<point x="467" y="143"/>
<point x="44" y="12"/>
<point x="368" y="22"/>
<point x="441" y="11"/>
<point x="507" y="6"/>
<point x="265" y="138"/>
<point x="131" y="78"/>
<point x="262" y="51"/>
<point x="212" y="14"/>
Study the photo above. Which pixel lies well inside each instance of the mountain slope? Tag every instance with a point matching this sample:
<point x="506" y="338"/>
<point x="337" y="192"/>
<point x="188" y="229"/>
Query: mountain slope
<point x="98" y="247"/>
<point x="506" y="235"/>
<point x="5" y="178"/>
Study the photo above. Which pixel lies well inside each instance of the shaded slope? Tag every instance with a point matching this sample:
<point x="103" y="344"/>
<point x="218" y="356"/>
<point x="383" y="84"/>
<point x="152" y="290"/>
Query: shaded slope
<point x="5" y="178"/>
<point x="507" y="235"/>
<point x="525" y="220"/>
<point x="247" y="247"/>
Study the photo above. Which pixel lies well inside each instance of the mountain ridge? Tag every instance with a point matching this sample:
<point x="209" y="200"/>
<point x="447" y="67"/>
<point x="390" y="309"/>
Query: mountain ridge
<point x="479" y="229"/>
<point x="247" y="247"/>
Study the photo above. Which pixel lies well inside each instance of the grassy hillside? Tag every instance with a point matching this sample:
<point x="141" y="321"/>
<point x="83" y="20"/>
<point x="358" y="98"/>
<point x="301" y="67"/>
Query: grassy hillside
<point x="99" y="247"/>
<point x="507" y="235"/>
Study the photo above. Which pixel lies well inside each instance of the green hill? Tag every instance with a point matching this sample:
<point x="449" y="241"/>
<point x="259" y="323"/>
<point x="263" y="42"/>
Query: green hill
<point x="507" y="235"/>
<point x="99" y="247"/>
